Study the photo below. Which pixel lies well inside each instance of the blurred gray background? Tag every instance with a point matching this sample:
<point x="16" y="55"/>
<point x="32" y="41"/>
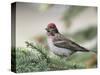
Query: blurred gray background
<point x="32" y="19"/>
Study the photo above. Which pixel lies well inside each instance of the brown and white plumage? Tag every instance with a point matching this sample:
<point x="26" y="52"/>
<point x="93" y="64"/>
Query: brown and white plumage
<point x="60" y="41"/>
<point x="59" y="44"/>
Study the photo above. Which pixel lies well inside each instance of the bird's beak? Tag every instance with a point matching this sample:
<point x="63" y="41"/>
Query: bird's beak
<point x="46" y="29"/>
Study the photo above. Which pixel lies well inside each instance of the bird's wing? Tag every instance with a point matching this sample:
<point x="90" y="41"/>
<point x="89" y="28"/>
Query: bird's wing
<point x="63" y="42"/>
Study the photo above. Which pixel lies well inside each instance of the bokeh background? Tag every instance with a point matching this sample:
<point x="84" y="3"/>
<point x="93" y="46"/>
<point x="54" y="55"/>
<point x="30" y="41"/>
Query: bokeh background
<point x="78" y="23"/>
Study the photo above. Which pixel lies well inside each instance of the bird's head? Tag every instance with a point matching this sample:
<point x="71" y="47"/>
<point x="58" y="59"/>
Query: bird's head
<point x="51" y="29"/>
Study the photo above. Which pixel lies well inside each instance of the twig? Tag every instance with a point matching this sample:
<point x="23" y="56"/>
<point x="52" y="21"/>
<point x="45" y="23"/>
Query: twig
<point x="39" y="50"/>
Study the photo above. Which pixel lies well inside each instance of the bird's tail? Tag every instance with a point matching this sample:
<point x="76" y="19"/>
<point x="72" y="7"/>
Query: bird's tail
<point x="94" y="52"/>
<point x="87" y="50"/>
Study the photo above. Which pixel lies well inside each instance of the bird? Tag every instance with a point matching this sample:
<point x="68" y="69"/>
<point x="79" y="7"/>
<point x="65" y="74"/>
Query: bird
<point x="59" y="44"/>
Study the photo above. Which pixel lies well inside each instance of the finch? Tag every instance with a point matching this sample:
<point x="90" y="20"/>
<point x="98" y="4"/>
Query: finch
<point x="59" y="44"/>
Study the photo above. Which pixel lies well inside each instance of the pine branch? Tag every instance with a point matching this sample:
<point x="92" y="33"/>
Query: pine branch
<point x="39" y="60"/>
<point x="54" y="63"/>
<point x="39" y="50"/>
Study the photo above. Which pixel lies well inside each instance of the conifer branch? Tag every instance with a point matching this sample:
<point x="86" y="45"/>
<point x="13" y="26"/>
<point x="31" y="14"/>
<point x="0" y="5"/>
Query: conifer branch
<point x="38" y="49"/>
